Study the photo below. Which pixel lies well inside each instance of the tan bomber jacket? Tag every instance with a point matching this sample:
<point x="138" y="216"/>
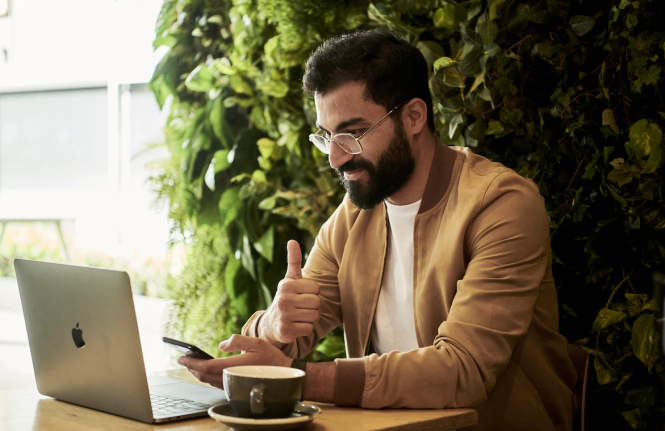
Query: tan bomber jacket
<point x="484" y="301"/>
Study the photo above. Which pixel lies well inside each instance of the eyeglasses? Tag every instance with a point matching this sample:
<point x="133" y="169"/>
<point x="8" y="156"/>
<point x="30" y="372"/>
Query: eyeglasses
<point x="346" y="141"/>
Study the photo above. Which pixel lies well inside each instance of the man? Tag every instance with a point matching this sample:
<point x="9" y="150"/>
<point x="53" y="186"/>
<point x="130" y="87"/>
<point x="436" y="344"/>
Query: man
<point x="437" y="262"/>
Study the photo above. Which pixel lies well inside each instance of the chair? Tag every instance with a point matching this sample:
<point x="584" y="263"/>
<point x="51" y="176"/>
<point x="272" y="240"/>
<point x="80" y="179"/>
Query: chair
<point x="580" y="360"/>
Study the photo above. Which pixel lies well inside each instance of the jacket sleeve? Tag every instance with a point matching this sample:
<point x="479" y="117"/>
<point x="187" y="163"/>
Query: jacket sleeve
<point x="508" y="249"/>
<point x="321" y="267"/>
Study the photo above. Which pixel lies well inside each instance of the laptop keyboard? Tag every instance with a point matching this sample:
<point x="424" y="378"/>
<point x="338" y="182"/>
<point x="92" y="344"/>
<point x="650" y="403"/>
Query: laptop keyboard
<point x="166" y="407"/>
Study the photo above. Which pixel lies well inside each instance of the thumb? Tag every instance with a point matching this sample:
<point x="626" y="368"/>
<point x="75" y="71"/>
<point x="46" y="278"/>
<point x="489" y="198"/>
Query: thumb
<point x="237" y="343"/>
<point x="294" y="260"/>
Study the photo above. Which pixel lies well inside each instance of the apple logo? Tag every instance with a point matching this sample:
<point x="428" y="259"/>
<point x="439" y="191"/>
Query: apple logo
<point x="77" y="335"/>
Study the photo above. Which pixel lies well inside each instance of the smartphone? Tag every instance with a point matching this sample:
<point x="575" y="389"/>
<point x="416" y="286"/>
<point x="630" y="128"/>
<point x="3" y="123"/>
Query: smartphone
<point x="186" y="348"/>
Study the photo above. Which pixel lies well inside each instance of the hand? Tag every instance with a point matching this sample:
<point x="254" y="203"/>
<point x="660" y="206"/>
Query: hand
<point x="295" y="309"/>
<point x="255" y="352"/>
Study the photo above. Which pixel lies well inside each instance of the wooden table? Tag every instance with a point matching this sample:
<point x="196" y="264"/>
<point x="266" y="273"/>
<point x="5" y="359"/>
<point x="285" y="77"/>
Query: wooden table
<point x="25" y="409"/>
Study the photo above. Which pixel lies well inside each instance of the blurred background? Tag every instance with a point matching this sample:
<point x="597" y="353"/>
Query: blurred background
<point x="76" y="121"/>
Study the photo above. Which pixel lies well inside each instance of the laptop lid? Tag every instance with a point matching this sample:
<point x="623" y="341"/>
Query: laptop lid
<point x="83" y="337"/>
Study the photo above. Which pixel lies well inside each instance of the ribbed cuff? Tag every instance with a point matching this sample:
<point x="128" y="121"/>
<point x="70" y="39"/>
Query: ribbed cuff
<point x="349" y="382"/>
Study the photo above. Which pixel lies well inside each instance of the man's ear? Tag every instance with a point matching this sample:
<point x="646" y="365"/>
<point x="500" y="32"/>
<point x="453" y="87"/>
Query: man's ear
<point x="414" y="116"/>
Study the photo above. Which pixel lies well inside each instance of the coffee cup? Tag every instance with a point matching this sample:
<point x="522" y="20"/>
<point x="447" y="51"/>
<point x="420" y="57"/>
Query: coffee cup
<point x="262" y="392"/>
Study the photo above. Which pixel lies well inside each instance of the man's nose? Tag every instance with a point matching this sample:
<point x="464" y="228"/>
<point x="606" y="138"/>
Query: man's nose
<point x="337" y="156"/>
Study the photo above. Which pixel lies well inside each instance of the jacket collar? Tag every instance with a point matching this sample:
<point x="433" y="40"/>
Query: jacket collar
<point x="440" y="174"/>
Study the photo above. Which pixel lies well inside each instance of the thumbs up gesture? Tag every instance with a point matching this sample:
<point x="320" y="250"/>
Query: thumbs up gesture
<point x="295" y="309"/>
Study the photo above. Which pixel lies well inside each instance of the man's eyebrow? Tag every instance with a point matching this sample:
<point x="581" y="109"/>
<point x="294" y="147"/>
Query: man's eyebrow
<point x="344" y="124"/>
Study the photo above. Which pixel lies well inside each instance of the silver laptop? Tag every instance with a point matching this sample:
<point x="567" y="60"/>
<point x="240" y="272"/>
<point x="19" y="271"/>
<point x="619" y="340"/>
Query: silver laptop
<point x="85" y="346"/>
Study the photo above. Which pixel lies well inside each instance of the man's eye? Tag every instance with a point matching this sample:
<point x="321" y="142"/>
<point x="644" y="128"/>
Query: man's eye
<point x="352" y="132"/>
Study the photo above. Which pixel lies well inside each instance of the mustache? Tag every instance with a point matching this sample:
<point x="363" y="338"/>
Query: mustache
<point x="353" y="165"/>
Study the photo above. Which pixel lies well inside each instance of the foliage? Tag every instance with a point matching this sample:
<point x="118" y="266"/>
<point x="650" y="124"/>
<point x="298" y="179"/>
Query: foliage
<point x="40" y="241"/>
<point x="564" y="92"/>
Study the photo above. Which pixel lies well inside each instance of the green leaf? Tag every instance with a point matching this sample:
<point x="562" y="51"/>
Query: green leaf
<point x="209" y="176"/>
<point x="218" y="122"/>
<point x="614" y="15"/>
<point x="538" y="13"/>
<point x="644" y="339"/>
<point x="332" y="347"/>
<point x="443" y="62"/>
<point x="494" y="8"/>
<point x="624" y="4"/>
<point x="604" y="374"/>
<point x="608" y="120"/>
<point x="220" y="161"/>
<point x="456" y="121"/>
<point x="641" y="397"/>
<point x="644" y="136"/>
<point x="631" y="21"/>
<point x="651" y="76"/>
<point x="240" y="86"/>
<point x="655" y="160"/>
<point x="488" y="31"/>
<point x="266" y="244"/>
<point x="229" y="205"/>
<point x="582" y="24"/>
<point x="635" y="303"/>
<point x="619" y="164"/>
<point x="471" y="62"/>
<point x="557" y="8"/>
<point x="452" y="77"/>
<point x="449" y="16"/>
<point x="651" y="305"/>
<point x="494" y="128"/>
<point x="200" y="79"/>
<point x="431" y="51"/>
<point x="274" y="88"/>
<point x="623" y="380"/>
<point x="230" y="273"/>
<point x="607" y="317"/>
<point x="266" y="147"/>
<point x="620" y="177"/>
<point x="268" y="203"/>
<point x="215" y="19"/>
<point x="470" y="37"/>
<point x="247" y="258"/>
<point x="634" y="417"/>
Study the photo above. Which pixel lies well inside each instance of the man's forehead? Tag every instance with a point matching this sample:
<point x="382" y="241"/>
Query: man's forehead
<point x="343" y="103"/>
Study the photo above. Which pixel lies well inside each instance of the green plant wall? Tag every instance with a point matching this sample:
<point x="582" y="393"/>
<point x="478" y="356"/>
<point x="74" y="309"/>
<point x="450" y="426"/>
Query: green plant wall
<point x="564" y="92"/>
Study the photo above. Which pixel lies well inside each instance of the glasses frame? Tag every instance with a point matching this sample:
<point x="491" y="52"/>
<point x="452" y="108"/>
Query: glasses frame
<point x="319" y="134"/>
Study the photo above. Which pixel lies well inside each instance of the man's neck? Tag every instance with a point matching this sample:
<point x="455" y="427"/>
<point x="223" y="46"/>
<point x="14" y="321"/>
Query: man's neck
<point x="413" y="190"/>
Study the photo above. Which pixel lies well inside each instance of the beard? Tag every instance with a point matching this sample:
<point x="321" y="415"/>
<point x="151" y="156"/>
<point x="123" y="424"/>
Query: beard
<point x="392" y="171"/>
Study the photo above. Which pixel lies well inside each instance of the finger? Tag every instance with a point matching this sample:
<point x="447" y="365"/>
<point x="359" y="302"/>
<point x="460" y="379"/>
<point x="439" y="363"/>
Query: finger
<point x="303" y="316"/>
<point x="294" y="260"/>
<point x="308" y="301"/>
<point x="299" y="329"/>
<point x="240" y="342"/>
<point x="211" y="379"/>
<point x="298" y="286"/>
<point x="203" y="366"/>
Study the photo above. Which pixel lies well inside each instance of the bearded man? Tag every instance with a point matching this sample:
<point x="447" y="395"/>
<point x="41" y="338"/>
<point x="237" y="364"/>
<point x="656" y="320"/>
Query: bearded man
<point x="437" y="262"/>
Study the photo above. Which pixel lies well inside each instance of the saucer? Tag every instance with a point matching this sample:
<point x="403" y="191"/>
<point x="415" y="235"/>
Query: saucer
<point x="303" y="414"/>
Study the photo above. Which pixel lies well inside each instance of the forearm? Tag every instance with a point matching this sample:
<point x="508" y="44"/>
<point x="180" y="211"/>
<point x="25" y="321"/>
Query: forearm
<point x="320" y="382"/>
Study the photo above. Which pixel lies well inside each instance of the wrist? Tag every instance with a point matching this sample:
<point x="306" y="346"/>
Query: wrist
<point x="265" y="333"/>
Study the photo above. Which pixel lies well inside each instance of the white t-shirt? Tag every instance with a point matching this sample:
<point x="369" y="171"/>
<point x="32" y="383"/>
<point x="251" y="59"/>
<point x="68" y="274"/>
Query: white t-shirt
<point x="394" y="323"/>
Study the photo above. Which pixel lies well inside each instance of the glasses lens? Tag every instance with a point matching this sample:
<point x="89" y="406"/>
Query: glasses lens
<point x="320" y="142"/>
<point x="348" y="143"/>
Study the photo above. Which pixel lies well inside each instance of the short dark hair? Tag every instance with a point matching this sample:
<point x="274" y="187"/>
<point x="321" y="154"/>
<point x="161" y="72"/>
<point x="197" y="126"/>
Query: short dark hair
<point x="393" y="70"/>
